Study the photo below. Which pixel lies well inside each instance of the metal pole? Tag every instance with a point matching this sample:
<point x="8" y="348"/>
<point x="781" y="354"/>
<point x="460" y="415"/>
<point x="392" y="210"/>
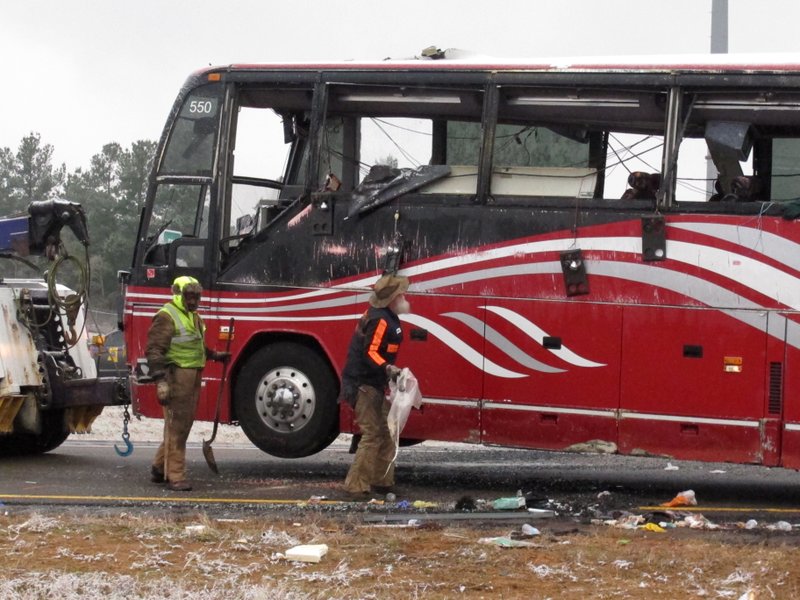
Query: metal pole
<point x="719" y="45"/>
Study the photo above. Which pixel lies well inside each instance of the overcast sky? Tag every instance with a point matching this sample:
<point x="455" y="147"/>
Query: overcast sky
<point x="83" y="73"/>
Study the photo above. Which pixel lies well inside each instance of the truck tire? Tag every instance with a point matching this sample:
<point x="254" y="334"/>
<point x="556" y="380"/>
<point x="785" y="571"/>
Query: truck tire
<point x="286" y="400"/>
<point x="52" y="435"/>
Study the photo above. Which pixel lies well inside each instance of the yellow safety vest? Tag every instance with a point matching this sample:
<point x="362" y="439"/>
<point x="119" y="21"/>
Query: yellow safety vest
<point x="187" y="349"/>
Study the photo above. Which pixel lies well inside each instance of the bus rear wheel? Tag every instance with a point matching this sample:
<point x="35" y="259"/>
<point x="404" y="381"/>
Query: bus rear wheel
<point x="285" y="400"/>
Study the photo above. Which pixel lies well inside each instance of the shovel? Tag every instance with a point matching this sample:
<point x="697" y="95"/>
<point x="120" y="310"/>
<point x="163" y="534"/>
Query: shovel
<point x="208" y="453"/>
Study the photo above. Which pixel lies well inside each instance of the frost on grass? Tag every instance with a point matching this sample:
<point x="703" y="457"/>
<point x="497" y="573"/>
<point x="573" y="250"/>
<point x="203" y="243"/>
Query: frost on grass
<point x="278" y="538"/>
<point x="36" y="523"/>
<point x="69" y="586"/>
<point x="342" y="575"/>
<point x="545" y="571"/>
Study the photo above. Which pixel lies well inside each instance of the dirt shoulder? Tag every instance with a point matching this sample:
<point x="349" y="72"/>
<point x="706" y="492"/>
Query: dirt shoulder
<point x="191" y="555"/>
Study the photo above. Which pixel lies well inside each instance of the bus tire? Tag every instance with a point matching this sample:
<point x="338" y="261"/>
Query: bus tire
<point x="285" y="399"/>
<point x="53" y="433"/>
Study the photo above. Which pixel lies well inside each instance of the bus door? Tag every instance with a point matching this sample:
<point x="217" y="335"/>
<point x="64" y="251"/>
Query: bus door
<point x="551" y="374"/>
<point x="694" y="383"/>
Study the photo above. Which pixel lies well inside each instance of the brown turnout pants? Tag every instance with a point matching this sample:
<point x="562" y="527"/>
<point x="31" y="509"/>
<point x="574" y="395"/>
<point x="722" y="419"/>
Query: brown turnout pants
<point x="184" y="391"/>
<point x="374" y="460"/>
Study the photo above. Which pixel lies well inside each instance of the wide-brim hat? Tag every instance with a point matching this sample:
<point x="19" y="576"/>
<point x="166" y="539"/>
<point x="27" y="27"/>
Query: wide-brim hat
<point x="386" y="289"/>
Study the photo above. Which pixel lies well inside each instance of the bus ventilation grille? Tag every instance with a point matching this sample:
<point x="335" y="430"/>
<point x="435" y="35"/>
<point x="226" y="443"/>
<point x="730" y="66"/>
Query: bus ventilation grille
<point x="775" y="388"/>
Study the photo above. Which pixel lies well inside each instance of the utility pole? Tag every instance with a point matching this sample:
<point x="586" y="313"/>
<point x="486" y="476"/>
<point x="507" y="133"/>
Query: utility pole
<point x="719" y="45"/>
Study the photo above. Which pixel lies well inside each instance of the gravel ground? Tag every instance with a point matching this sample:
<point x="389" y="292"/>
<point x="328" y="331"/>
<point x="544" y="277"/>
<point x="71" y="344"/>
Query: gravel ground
<point x="108" y="426"/>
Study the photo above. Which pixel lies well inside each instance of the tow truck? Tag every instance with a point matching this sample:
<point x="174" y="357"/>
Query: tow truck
<point x="48" y="378"/>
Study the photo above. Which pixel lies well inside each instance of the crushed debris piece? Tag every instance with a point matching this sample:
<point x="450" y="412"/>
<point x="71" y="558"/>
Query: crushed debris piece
<point x="697" y="522"/>
<point x="653" y="527"/>
<point x="465" y="503"/>
<point x="195" y="529"/>
<point x="529" y="529"/>
<point x="512" y="503"/>
<point x="506" y="542"/>
<point x="780" y="526"/>
<point x="424" y="504"/>
<point x="671" y="467"/>
<point x="307" y="553"/>
<point x="686" y="498"/>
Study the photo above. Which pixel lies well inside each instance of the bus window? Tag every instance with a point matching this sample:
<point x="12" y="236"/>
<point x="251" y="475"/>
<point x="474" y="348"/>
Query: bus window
<point x="531" y="160"/>
<point x="577" y="142"/>
<point x="633" y="166"/>
<point x="752" y="141"/>
<point x="397" y="142"/>
<point x="190" y="150"/>
<point x="785" y="180"/>
<point x="693" y="182"/>
<point x="180" y="215"/>
<point x="267" y="159"/>
<point x="260" y="157"/>
<point x="406" y="129"/>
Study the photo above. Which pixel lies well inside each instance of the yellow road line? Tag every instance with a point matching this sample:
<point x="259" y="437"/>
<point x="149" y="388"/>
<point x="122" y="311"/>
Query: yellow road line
<point x="186" y="499"/>
<point x="720" y="509"/>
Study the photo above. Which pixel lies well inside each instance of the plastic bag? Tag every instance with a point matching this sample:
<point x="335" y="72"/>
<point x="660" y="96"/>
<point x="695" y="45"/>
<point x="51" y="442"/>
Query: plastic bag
<point x="403" y="395"/>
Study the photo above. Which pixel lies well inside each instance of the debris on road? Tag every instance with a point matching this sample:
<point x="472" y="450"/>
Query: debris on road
<point x="512" y="503"/>
<point x="686" y="498"/>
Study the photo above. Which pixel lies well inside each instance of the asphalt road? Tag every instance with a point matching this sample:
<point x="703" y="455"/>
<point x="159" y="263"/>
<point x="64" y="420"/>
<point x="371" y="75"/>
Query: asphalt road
<point x="89" y="473"/>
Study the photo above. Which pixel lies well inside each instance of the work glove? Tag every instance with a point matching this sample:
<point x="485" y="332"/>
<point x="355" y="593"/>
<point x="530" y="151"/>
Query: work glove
<point x="220" y="356"/>
<point x="393" y="372"/>
<point x="162" y="392"/>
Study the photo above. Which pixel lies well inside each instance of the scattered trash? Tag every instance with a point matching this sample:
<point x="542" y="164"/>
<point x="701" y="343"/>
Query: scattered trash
<point x="195" y="529"/>
<point x="506" y="542"/>
<point x="686" y="498"/>
<point x="465" y="503"/>
<point x="541" y="513"/>
<point x="751" y="524"/>
<point x="671" y="467"/>
<point x="413" y="523"/>
<point x="390" y="497"/>
<point x="424" y="504"/>
<point x="697" y="522"/>
<point x="404" y="505"/>
<point x="653" y="527"/>
<point x="780" y="526"/>
<point x="717" y="471"/>
<point x="529" y="530"/>
<point x="626" y="522"/>
<point x="603" y="494"/>
<point x="307" y="553"/>
<point x="376" y="502"/>
<point x="509" y="503"/>
<point x="317" y="499"/>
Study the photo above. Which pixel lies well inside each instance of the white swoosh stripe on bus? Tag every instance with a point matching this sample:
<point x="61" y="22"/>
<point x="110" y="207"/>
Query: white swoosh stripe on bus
<point x="466" y="351"/>
<point x="771" y="245"/>
<point x="537" y="334"/>
<point x="501" y="342"/>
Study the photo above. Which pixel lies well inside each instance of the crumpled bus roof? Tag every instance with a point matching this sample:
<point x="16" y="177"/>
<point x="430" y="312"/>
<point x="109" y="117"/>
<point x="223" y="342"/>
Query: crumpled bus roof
<point x="462" y="60"/>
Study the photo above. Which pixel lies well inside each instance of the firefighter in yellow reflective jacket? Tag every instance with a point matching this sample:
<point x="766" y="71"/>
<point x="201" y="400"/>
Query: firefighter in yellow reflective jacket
<point x="176" y="354"/>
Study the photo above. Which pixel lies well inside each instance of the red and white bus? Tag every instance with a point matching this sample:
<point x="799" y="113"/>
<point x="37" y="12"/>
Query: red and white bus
<point x="578" y="279"/>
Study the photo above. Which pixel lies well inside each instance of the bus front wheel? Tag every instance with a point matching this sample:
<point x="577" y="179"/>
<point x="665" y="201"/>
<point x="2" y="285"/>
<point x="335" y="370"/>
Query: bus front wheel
<point x="285" y="400"/>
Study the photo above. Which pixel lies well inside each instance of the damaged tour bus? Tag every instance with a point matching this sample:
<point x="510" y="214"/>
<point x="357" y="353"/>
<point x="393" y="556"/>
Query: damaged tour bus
<point x="581" y="272"/>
